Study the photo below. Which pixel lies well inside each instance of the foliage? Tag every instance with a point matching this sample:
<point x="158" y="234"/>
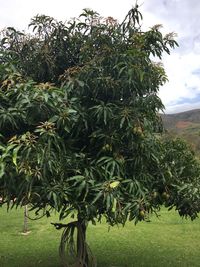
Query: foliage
<point x="78" y="116"/>
<point x="182" y="190"/>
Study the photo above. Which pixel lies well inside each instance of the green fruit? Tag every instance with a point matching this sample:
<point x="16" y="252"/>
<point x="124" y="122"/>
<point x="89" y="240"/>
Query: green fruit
<point x="155" y="194"/>
<point x="107" y="147"/>
<point x="165" y="195"/>
<point x="142" y="213"/>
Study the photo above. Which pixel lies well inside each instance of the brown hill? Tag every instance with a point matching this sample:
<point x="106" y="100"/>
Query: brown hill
<point x="172" y="121"/>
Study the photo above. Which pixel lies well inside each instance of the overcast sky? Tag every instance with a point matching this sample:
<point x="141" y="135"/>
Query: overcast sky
<point x="182" y="92"/>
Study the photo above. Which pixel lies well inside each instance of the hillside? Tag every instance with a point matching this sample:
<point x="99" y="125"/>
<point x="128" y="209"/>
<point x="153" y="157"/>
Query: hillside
<point x="182" y="120"/>
<point x="185" y="124"/>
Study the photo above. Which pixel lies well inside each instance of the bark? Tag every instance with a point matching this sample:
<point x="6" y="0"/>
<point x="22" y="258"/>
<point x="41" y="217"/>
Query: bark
<point x="82" y="252"/>
<point x="25" y="226"/>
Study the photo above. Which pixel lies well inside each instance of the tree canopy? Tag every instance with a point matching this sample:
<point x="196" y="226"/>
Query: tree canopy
<point x="80" y="125"/>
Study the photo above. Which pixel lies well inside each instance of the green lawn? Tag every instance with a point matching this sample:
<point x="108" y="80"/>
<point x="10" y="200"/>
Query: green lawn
<point x="167" y="241"/>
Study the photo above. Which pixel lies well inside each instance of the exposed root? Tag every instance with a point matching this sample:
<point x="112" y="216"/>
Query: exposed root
<point x="73" y="250"/>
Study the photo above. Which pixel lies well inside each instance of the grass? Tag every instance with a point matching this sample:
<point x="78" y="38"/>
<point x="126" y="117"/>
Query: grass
<point x="167" y="241"/>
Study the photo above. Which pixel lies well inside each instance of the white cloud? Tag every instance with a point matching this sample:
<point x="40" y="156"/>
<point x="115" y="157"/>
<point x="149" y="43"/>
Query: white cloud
<point x="18" y="13"/>
<point x="176" y="108"/>
<point x="183" y="82"/>
<point x="181" y="16"/>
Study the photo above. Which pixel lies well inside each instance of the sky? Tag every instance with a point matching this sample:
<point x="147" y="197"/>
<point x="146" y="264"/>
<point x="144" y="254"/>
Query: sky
<point x="182" y="92"/>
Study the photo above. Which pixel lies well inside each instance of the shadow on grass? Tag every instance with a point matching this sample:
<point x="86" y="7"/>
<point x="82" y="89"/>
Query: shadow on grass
<point x="37" y="260"/>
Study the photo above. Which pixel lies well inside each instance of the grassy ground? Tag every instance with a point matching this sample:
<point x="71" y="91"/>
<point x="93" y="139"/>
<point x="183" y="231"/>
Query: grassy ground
<point x="167" y="241"/>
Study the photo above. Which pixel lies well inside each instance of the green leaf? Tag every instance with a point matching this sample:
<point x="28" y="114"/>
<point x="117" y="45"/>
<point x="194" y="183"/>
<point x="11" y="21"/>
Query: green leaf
<point x="97" y="197"/>
<point x="114" y="205"/>
<point x="14" y="155"/>
<point x="76" y="178"/>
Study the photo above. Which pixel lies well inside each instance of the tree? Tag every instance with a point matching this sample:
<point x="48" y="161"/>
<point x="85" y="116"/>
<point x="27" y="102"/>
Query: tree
<point x="25" y="225"/>
<point x="80" y="126"/>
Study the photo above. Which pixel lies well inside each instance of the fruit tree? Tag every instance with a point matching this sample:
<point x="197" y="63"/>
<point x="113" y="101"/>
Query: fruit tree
<point x="80" y="126"/>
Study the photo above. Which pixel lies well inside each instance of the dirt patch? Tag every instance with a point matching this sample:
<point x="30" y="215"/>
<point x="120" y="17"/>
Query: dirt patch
<point x="183" y="124"/>
<point x="26" y="233"/>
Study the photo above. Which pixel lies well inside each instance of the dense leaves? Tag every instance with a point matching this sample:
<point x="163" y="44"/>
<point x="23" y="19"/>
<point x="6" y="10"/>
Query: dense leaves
<point x="79" y="121"/>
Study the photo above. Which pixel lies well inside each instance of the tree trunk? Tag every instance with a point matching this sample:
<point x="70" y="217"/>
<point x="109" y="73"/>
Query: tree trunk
<point x="82" y="252"/>
<point x="25" y="226"/>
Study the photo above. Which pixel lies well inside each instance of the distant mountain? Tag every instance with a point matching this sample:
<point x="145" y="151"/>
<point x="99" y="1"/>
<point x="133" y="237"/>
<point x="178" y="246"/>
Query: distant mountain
<point x="182" y="120"/>
<point x="186" y="125"/>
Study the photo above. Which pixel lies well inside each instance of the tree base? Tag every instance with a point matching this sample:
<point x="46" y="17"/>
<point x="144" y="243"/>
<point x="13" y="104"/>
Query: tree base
<point x="75" y="254"/>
